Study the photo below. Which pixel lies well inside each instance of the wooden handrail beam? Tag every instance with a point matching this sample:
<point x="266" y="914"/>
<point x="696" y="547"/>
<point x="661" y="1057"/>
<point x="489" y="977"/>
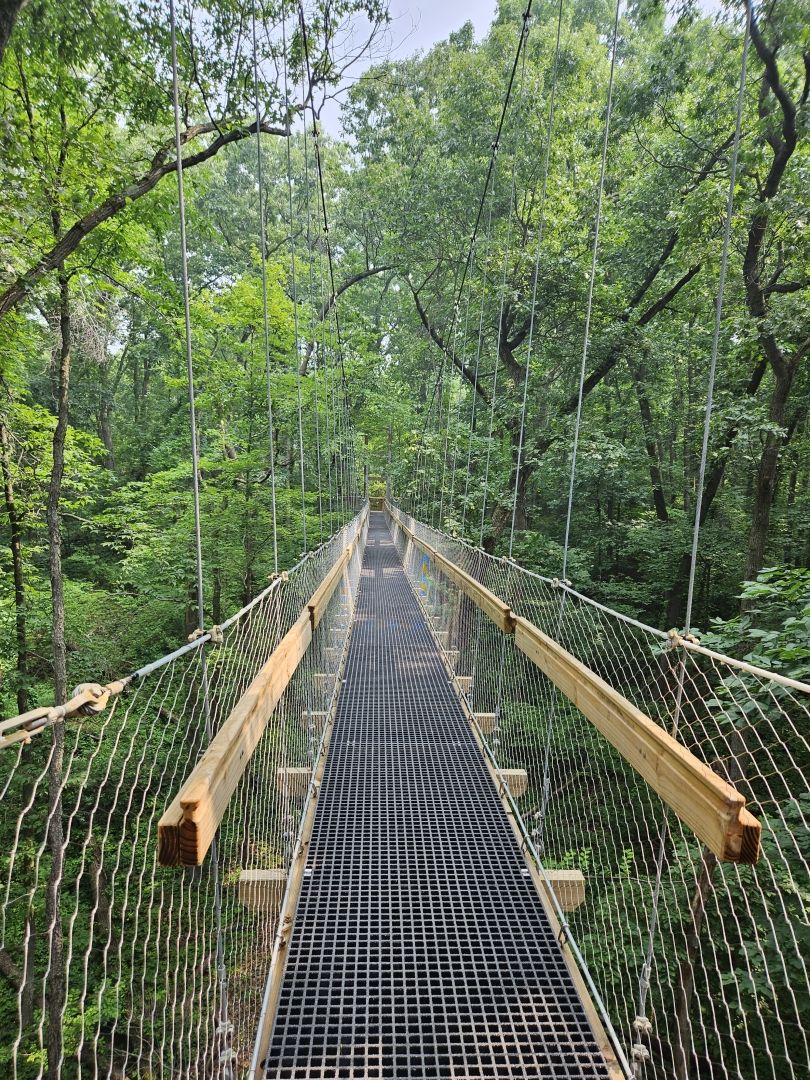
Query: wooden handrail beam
<point x="492" y="605"/>
<point x="705" y="802"/>
<point x="709" y="805"/>
<point x="189" y="824"/>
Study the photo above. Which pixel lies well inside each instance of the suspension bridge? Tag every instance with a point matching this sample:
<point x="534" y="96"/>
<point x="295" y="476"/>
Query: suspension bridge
<point x="414" y="810"/>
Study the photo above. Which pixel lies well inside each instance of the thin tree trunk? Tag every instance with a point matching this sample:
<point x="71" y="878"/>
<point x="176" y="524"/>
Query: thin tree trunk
<point x="683" y="1048"/>
<point x="9" y="10"/>
<point x="765" y="488"/>
<point x="56" y="973"/>
<point x="650" y="445"/>
<point x="15" y="544"/>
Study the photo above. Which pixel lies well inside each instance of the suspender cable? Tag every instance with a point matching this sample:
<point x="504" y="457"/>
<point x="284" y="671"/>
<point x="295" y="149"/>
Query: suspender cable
<point x="293" y="285"/>
<point x="512" y="200"/>
<point x="477" y="361"/>
<point x="223" y="1024"/>
<point x="540" y="232"/>
<point x="642" y="1024"/>
<point x="591" y="283"/>
<point x="490" y="170"/>
<point x="265" y="316"/>
<point x="552" y="713"/>
<point x="321" y="366"/>
<point x="322" y="190"/>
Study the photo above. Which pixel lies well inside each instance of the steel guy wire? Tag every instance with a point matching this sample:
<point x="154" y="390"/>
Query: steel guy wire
<point x="718" y="316"/>
<point x="195" y="458"/>
<point x="263" y="260"/>
<point x="294" y="283"/>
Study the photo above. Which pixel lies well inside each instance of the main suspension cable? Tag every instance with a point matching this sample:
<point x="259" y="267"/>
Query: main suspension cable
<point x="540" y="235"/>
<point x="479" y="213"/>
<point x="591" y="283"/>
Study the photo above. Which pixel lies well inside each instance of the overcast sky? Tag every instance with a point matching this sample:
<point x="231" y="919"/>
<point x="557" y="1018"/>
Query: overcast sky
<point x="418" y="25"/>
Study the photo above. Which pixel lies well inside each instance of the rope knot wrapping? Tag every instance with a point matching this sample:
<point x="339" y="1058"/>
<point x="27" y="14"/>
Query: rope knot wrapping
<point x="96" y="703"/>
<point x="642" y="1025"/>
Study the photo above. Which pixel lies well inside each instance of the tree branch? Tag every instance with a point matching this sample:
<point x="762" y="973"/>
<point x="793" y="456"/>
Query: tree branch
<point x="160" y="167"/>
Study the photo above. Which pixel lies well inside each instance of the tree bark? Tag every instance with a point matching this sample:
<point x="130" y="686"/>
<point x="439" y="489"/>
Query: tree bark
<point x="9" y="10"/>
<point x="650" y="445"/>
<point x="18" y="569"/>
<point x="56" y="973"/>
<point x="683" y="1048"/>
<point x="765" y="487"/>
<point x="782" y="143"/>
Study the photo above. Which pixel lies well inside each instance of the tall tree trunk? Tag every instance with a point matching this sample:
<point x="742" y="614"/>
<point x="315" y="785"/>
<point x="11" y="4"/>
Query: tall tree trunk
<point x="683" y="1048"/>
<point x="105" y="429"/>
<point x="15" y="544"/>
<point x="650" y="444"/>
<point x="765" y="488"/>
<point x="56" y="973"/>
<point x="9" y="10"/>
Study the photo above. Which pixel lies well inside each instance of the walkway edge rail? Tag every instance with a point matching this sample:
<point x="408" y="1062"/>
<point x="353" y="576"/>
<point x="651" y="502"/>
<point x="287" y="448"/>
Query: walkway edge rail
<point x="711" y="807"/>
<point x="188" y="826"/>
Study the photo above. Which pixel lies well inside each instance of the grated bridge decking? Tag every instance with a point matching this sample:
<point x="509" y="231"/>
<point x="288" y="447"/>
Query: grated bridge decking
<point x="420" y="947"/>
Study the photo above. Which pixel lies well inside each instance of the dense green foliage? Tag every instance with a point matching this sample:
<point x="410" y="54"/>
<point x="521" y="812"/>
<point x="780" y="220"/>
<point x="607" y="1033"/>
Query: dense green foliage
<point x="97" y="563"/>
<point x="85" y="106"/>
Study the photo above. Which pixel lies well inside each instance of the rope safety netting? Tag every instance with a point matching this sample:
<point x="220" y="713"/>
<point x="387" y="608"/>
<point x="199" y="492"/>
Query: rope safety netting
<point x="161" y="970"/>
<point x="723" y="973"/>
<point x="112" y="964"/>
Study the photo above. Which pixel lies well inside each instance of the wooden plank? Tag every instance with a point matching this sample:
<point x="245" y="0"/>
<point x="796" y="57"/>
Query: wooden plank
<point x="568" y="887"/>
<point x="492" y="605"/>
<point x="516" y="780"/>
<point x="188" y="826"/>
<point x="319" y="601"/>
<point x="262" y="890"/>
<point x="705" y="802"/>
<point x="293" y="781"/>
<point x="486" y="722"/>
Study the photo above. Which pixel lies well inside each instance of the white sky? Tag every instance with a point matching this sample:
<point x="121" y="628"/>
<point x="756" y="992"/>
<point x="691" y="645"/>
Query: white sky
<point x="419" y="25"/>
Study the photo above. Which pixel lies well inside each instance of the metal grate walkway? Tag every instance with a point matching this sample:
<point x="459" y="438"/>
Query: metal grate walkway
<point x="420" y="947"/>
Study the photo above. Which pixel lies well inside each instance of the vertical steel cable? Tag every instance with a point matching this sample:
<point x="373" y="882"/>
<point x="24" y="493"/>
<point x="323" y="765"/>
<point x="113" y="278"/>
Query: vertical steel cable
<point x="591" y="283"/>
<point x="540" y="231"/>
<point x="642" y="1024"/>
<point x="323" y="364"/>
<point x="489" y="175"/>
<point x="477" y="358"/>
<point x="346" y="419"/>
<point x="512" y="200"/>
<point x="546" y="784"/>
<point x="293" y="283"/>
<point x="223" y="1026"/>
<point x="265" y="316"/>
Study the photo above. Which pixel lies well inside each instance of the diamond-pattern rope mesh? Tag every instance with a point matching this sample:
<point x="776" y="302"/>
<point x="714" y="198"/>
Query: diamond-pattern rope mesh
<point x="420" y="947"/>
